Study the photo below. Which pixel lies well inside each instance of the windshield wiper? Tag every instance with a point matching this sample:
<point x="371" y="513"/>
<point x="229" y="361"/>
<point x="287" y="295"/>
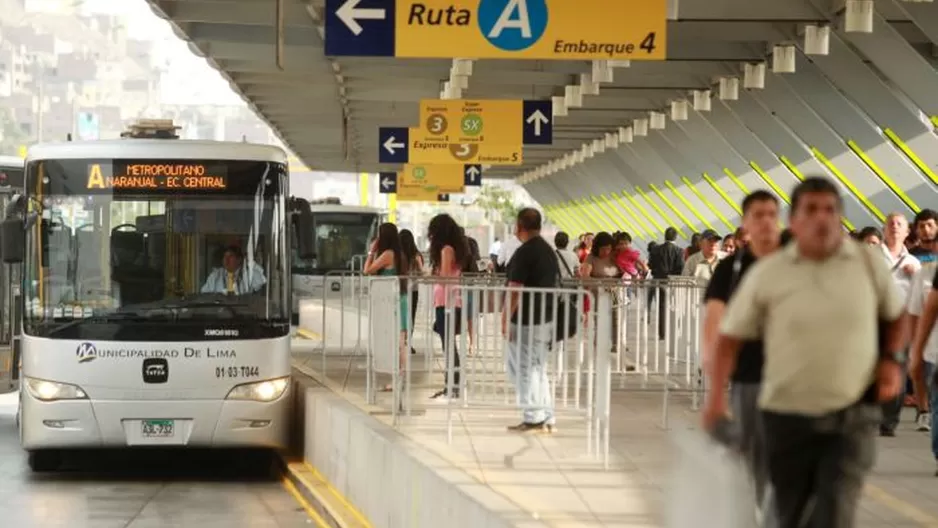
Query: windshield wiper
<point x="112" y="317"/>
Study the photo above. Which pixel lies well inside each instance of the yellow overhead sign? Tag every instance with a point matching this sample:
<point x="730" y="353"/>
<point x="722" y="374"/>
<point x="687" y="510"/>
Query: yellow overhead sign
<point x="426" y="149"/>
<point x="421" y="194"/>
<point x="438" y="178"/>
<point x="465" y="121"/>
<point x="527" y="29"/>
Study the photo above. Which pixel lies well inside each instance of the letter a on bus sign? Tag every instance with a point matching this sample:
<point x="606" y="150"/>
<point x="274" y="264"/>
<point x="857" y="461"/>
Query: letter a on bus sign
<point x="498" y="29"/>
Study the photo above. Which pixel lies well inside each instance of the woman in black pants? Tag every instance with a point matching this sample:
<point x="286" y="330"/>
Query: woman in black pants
<point x="448" y="254"/>
<point x="412" y="254"/>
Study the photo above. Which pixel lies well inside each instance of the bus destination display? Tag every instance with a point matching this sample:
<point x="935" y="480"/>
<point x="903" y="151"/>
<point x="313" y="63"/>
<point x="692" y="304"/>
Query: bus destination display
<point x="157" y="176"/>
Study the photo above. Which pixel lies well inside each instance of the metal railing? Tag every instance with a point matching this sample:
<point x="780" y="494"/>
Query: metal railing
<point x="649" y="336"/>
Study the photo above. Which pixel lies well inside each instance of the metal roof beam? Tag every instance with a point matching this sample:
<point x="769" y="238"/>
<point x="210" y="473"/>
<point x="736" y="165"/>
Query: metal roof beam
<point x="252" y="13"/>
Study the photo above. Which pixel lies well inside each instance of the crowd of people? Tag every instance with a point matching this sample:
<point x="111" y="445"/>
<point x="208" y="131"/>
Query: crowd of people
<point x="808" y="327"/>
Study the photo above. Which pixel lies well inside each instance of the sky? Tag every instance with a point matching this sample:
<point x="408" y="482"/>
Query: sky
<point x="190" y="80"/>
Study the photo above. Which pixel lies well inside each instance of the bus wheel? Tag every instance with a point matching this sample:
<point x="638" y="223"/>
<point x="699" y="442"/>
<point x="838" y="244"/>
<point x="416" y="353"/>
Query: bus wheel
<point x="44" y="460"/>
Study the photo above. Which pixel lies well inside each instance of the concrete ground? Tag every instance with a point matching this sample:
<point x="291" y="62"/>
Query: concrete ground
<point x="560" y="484"/>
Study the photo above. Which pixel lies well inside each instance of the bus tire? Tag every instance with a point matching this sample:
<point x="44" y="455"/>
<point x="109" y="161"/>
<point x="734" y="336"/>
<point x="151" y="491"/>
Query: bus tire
<point x="43" y="460"/>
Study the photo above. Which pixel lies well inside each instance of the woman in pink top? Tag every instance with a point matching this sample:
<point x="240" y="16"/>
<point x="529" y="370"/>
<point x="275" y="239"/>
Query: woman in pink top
<point x="447" y="257"/>
<point x="628" y="259"/>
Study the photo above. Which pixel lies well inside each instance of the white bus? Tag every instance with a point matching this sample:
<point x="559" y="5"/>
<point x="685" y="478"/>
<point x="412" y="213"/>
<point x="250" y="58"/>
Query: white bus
<point x="156" y="295"/>
<point x="341" y="235"/>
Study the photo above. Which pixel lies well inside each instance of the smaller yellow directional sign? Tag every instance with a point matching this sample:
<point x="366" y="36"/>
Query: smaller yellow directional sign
<point x="421" y="194"/>
<point x="426" y="149"/>
<point x="498" y="122"/>
<point x="441" y="178"/>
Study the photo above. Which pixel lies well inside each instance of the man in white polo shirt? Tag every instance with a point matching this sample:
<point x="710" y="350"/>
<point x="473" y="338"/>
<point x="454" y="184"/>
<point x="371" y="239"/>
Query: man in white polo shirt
<point x="903" y="267"/>
<point x="828" y="313"/>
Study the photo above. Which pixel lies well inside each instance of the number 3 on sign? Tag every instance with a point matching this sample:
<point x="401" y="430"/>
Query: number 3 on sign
<point x="648" y="43"/>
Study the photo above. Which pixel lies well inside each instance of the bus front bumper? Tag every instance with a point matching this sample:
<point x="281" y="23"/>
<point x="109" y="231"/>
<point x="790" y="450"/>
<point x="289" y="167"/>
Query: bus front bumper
<point x="163" y="423"/>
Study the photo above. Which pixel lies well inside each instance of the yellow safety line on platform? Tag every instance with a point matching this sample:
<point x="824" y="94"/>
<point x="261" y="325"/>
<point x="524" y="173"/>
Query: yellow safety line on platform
<point x="883" y="176"/>
<point x="909" y="153"/>
<point x="335" y="493"/>
<point x="907" y="510"/>
<point x="794" y="170"/>
<point x="298" y="497"/>
<point x="308" y="334"/>
<point x="687" y="204"/>
<point x="848" y="184"/>
<point x="707" y="202"/>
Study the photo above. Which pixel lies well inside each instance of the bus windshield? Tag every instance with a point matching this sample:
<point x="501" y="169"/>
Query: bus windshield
<point x="123" y="246"/>
<point x="341" y="242"/>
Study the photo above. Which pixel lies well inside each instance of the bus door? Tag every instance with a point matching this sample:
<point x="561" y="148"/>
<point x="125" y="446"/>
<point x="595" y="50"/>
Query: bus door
<point x="10" y="318"/>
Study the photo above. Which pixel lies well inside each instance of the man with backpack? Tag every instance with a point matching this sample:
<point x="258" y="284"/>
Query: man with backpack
<point x="760" y="219"/>
<point x="828" y="313"/>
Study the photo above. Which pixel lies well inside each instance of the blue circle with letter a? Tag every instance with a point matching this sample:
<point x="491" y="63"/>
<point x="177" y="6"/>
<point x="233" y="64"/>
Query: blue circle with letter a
<point x="513" y="25"/>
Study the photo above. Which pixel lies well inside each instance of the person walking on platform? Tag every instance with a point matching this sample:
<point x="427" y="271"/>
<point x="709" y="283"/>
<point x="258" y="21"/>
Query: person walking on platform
<point x="413" y="256"/>
<point x="664" y="260"/>
<point x="902" y="266"/>
<point x="527" y="323"/>
<point x="448" y="254"/>
<point x="828" y="313"/>
<point x="760" y="218"/>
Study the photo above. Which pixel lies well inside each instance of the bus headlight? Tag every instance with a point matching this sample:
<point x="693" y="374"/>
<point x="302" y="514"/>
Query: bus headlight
<point x="263" y="391"/>
<point x="53" y="391"/>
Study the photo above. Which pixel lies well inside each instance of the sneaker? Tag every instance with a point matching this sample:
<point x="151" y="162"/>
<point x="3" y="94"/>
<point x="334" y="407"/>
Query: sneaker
<point x="923" y="421"/>
<point x="525" y="427"/>
<point x="443" y="396"/>
<point x="886" y="432"/>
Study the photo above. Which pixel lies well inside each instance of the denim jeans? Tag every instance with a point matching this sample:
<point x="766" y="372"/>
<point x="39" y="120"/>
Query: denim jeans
<point x="527" y="362"/>
<point x="932" y="405"/>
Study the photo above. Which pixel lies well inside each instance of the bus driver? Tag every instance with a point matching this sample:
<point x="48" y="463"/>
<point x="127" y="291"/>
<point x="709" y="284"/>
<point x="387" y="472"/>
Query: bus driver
<point x="235" y="277"/>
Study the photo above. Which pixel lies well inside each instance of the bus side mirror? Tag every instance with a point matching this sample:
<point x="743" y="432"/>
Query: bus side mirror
<point x="12" y="240"/>
<point x="304" y="235"/>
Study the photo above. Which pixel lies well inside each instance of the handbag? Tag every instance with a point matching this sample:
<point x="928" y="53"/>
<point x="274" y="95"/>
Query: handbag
<point x="567" y="315"/>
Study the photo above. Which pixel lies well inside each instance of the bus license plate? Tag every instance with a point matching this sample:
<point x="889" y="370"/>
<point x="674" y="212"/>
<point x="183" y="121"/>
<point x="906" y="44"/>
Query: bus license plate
<point x="158" y="428"/>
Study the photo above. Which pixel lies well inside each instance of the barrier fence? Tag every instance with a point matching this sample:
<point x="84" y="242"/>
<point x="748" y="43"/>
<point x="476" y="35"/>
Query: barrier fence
<point x="629" y="336"/>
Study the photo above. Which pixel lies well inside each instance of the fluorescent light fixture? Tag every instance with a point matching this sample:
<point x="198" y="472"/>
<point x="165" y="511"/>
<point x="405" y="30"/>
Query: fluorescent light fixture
<point x="640" y="127"/>
<point x="679" y="110"/>
<point x="783" y="58"/>
<point x="729" y="88"/>
<point x="559" y="104"/>
<point x="858" y="17"/>
<point x="817" y="40"/>
<point x="656" y="120"/>
<point x="754" y="75"/>
<point x="587" y="86"/>
<point x="702" y="100"/>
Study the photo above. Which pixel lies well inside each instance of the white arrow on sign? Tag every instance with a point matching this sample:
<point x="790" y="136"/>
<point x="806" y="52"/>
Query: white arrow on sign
<point x="537" y="119"/>
<point x="473" y="173"/>
<point x="391" y="146"/>
<point x="350" y="14"/>
<point x="387" y="183"/>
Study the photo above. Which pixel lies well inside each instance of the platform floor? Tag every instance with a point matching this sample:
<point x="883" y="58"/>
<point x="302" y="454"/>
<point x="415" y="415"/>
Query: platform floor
<point x="140" y="490"/>
<point x="554" y="479"/>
